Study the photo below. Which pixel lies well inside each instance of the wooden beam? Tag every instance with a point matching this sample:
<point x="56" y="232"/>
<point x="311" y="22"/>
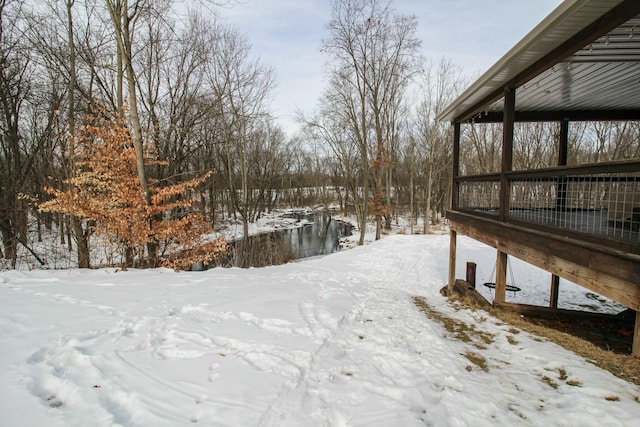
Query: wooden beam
<point x="559" y="115"/>
<point x="507" y="152"/>
<point x="553" y="314"/>
<point x="613" y="275"/>
<point x="563" y="143"/>
<point x="501" y="277"/>
<point x="455" y="165"/>
<point x="452" y="259"/>
<point x="619" y="264"/>
<point x="555" y="291"/>
<point x="635" y="349"/>
<point x="563" y="155"/>
<point x="471" y="274"/>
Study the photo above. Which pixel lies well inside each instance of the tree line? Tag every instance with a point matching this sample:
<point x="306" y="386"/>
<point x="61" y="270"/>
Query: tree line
<point x="189" y="102"/>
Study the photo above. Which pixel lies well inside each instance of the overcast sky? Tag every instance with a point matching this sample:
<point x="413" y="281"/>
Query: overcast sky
<point x="287" y="35"/>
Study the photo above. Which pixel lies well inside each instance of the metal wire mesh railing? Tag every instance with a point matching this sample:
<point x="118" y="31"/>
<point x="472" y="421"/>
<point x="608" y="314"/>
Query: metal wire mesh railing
<point x="599" y="200"/>
<point x="481" y="196"/>
<point x="604" y="204"/>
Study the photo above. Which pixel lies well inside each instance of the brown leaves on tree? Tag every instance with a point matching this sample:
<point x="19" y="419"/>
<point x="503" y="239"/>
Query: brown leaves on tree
<point x="378" y="204"/>
<point x="105" y="189"/>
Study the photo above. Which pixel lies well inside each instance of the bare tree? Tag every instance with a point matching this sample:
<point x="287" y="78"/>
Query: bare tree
<point x="241" y="86"/>
<point x="330" y="125"/>
<point x="80" y="233"/>
<point x="441" y="85"/>
<point x="373" y="56"/>
<point x="15" y="155"/>
<point x="535" y="146"/>
<point x="124" y="17"/>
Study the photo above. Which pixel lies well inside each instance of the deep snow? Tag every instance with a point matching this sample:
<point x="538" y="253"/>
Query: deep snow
<point x="333" y="341"/>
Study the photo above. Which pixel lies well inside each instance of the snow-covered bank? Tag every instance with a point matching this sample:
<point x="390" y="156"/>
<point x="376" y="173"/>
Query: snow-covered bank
<point x="335" y="340"/>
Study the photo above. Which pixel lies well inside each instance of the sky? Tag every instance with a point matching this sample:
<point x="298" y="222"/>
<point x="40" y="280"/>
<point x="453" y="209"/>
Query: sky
<point x="287" y="35"/>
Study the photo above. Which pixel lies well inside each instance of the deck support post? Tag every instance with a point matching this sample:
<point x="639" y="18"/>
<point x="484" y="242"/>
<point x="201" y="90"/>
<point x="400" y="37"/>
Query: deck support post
<point x="452" y="259"/>
<point x="455" y="165"/>
<point x="471" y="274"/>
<point x="555" y="290"/>
<point x="507" y="152"/>
<point x="501" y="278"/>
<point x="635" y="349"/>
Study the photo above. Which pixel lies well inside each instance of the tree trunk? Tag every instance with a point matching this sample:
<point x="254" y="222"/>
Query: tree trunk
<point x="9" y="242"/>
<point x="364" y="208"/>
<point x="122" y="25"/>
<point x="427" y="207"/>
<point x="411" y="208"/>
<point x="82" y="245"/>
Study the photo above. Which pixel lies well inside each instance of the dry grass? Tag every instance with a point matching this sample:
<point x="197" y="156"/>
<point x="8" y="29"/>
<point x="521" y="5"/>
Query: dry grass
<point x="623" y="366"/>
<point x="477" y="360"/>
<point x="461" y="331"/>
<point x="550" y="382"/>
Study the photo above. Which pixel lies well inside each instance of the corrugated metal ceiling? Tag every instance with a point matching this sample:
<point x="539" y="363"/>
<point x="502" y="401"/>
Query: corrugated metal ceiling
<point x="604" y="75"/>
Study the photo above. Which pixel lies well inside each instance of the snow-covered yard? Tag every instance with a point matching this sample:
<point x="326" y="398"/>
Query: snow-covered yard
<point x="334" y="341"/>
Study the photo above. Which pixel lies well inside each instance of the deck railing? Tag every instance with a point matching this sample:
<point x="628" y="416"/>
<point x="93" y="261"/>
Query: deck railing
<point x="599" y="199"/>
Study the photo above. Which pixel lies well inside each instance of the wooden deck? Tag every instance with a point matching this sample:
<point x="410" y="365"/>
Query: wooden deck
<point x="594" y="222"/>
<point x="595" y="266"/>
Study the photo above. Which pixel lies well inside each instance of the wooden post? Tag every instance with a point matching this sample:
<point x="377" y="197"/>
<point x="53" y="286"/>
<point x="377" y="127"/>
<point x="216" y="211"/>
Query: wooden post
<point x="471" y="274"/>
<point x="452" y="259"/>
<point x="561" y="200"/>
<point x="507" y="152"/>
<point x="635" y="349"/>
<point x="555" y="289"/>
<point x="563" y="154"/>
<point x="501" y="278"/>
<point x="455" y="165"/>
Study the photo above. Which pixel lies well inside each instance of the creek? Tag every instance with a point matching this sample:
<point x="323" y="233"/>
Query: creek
<point x="314" y="234"/>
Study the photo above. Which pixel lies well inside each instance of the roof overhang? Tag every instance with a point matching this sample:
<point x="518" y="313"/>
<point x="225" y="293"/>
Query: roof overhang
<point x="582" y="62"/>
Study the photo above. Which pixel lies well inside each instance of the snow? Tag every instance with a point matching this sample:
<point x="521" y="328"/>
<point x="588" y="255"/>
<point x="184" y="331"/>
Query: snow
<point x="329" y="341"/>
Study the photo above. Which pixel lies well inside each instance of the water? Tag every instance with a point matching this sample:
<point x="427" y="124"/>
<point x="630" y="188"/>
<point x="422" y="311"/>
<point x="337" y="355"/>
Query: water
<point x="320" y="235"/>
<point x="317" y="234"/>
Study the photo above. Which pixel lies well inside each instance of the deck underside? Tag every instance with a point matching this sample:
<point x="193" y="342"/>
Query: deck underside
<point x="598" y="268"/>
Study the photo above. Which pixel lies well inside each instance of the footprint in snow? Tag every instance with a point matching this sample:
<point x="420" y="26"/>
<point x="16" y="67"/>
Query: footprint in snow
<point x="213" y="375"/>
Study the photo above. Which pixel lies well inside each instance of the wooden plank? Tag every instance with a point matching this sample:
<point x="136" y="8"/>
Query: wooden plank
<point x="635" y="349"/>
<point x="616" y="167"/>
<point x="620" y="264"/>
<point x="563" y="154"/>
<point x="455" y="165"/>
<point x="612" y="276"/>
<point x="560" y="115"/>
<point x="553" y="313"/>
<point x="563" y="143"/>
<point x="471" y="274"/>
<point x="452" y="259"/>
<point x="554" y="292"/>
<point x="507" y="152"/>
<point x="618" y="246"/>
<point x="501" y="277"/>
